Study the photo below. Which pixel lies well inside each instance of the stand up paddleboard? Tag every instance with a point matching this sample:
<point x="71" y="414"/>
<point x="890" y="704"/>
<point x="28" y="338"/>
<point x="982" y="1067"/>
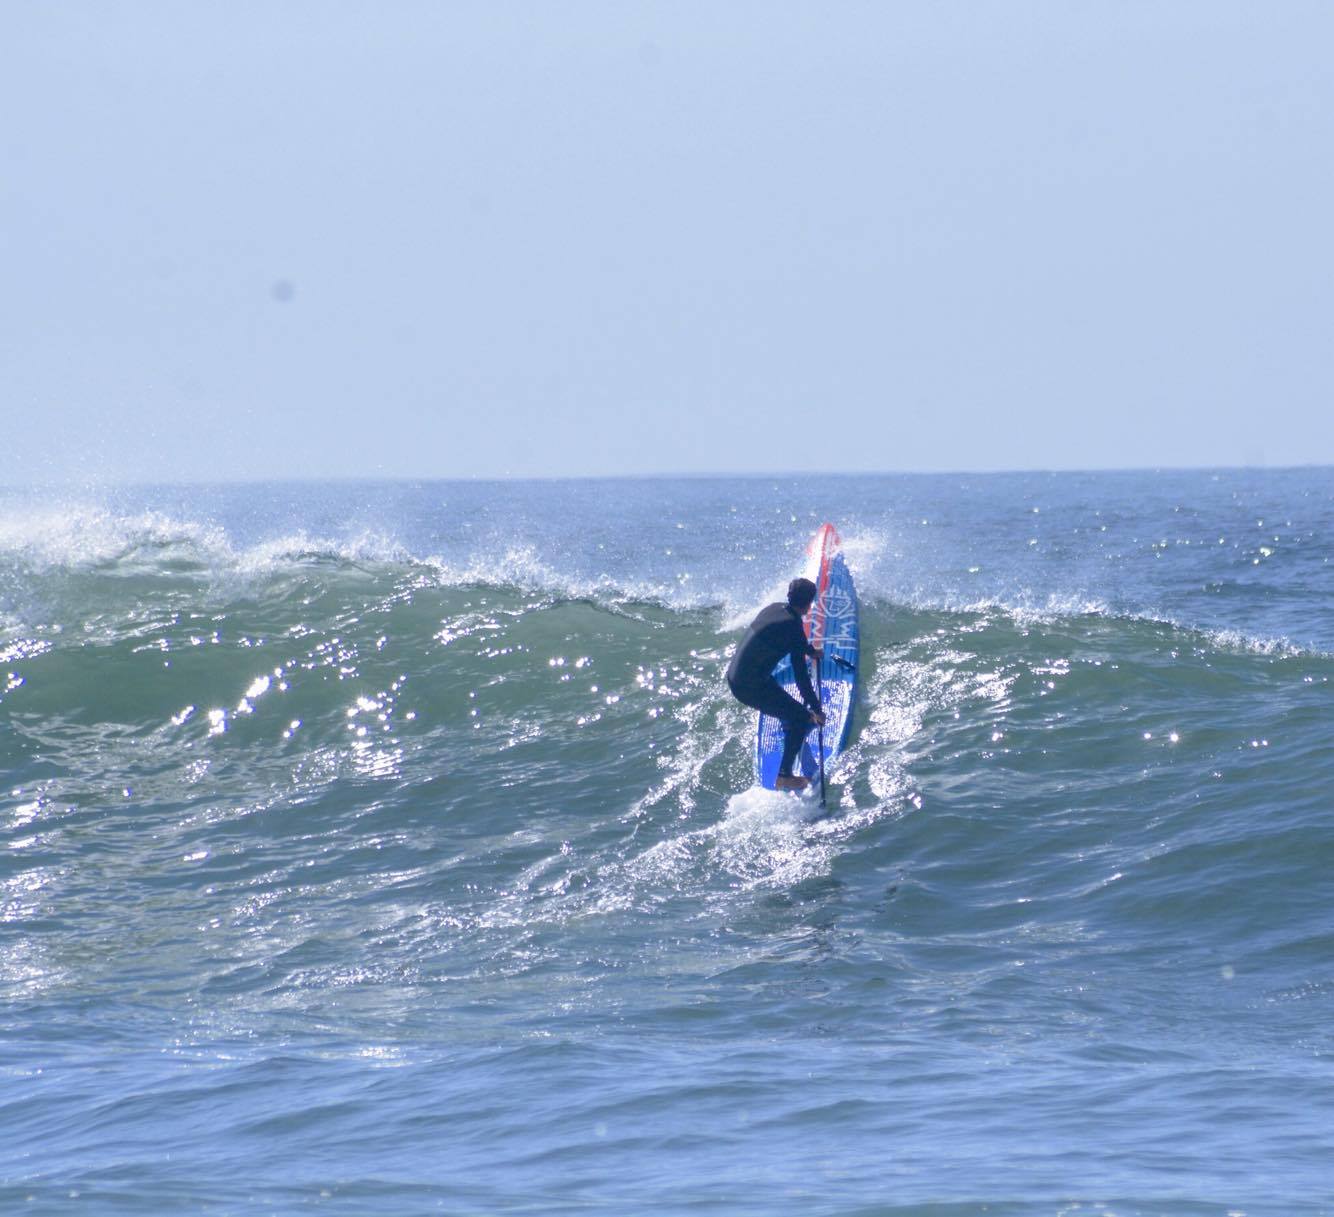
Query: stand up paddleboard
<point x="832" y="626"/>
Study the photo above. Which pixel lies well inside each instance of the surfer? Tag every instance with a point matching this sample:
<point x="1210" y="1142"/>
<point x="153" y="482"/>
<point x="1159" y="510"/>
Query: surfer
<point x="774" y="633"/>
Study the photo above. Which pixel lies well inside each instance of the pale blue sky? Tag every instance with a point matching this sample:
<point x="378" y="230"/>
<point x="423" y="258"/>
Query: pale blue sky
<point x="579" y="238"/>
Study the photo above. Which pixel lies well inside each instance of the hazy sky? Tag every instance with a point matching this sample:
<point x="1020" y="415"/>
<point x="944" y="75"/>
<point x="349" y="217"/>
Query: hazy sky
<point x="439" y="239"/>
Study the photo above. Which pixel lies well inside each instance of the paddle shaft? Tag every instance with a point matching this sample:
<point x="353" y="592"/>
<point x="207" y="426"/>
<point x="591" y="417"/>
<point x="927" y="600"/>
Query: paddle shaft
<point x="819" y="696"/>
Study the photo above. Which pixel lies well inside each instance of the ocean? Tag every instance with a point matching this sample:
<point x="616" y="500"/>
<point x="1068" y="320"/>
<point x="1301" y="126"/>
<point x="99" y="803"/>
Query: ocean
<point x="392" y="848"/>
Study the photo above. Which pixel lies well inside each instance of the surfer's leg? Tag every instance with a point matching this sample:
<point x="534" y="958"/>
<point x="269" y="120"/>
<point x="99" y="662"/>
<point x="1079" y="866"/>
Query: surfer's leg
<point x="772" y="699"/>
<point x="795" y="732"/>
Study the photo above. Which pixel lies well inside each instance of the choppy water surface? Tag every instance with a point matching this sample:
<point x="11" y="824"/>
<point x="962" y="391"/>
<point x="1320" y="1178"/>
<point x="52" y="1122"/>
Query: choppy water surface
<point x="391" y="849"/>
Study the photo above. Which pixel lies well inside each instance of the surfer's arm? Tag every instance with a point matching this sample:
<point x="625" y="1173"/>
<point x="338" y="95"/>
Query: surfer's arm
<point x="803" y="674"/>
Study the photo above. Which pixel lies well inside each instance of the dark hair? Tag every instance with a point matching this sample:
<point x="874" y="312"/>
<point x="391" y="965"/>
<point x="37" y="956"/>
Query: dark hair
<point x="801" y="594"/>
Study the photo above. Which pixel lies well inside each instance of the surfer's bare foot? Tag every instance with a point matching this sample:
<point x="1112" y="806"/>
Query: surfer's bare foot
<point x="786" y="781"/>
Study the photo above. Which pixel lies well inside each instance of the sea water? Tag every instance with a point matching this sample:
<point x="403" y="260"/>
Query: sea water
<point x="392" y="848"/>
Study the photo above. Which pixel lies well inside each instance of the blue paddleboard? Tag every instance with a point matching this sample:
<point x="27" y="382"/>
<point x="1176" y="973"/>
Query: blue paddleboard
<point x="832" y="626"/>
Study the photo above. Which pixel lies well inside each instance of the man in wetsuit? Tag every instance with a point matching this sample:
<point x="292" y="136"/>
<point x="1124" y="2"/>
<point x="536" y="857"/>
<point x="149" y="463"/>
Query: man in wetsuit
<point x="774" y="633"/>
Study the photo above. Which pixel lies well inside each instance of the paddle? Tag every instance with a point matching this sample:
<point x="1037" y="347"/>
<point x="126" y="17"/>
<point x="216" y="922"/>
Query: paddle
<point x="819" y="696"/>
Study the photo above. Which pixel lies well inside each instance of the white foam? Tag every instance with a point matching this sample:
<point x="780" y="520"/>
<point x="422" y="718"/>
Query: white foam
<point x="80" y="536"/>
<point x="763" y="839"/>
<point x="739" y="617"/>
<point x="1235" y="640"/>
<point x="700" y="743"/>
<point x="862" y="550"/>
<point x="302" y="547"/>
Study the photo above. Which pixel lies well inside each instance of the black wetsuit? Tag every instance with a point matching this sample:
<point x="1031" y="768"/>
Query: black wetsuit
<point x="774" y="633"/>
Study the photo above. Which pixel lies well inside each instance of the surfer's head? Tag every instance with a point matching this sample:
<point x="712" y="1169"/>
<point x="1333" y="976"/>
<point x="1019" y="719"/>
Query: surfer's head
<point x="800" y="595"/>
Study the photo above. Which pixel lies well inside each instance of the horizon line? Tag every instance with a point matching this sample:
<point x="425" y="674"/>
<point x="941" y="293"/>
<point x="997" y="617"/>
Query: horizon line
<point x="841" y="474"/>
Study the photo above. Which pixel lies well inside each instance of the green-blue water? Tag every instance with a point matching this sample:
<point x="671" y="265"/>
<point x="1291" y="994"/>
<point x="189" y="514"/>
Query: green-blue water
<point x="391" y="849"/>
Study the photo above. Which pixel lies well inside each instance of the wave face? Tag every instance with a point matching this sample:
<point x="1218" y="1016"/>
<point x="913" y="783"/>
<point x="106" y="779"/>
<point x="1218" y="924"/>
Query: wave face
<point x="392" y="849"/>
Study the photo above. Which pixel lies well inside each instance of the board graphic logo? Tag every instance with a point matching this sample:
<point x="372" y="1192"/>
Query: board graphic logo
<point x="840" y="618"/>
